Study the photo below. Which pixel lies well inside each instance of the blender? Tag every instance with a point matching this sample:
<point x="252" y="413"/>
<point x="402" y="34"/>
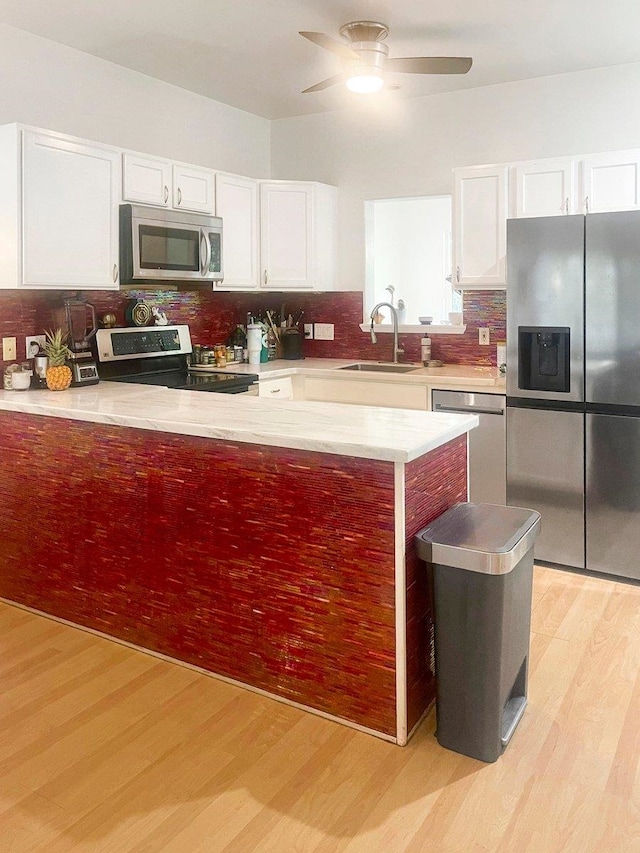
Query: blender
<point x="78" y="319"/>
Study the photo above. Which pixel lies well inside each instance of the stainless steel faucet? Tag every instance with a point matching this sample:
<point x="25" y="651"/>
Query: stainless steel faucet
<point x="394" y="316"/>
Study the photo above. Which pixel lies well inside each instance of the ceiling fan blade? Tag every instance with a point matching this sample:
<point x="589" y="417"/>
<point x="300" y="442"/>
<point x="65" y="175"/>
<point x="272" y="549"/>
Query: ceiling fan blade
<point x="430" y="64"/>
<point x="327" y="43"/>
<point x="330" y="81"/>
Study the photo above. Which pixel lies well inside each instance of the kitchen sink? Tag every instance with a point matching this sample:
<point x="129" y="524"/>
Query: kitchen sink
<point x="380" y="367"/>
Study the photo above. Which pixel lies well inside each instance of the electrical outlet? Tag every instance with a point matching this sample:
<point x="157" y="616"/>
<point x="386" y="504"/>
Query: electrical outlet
<point x="9" y="349"/>
<point x="484" y="335"/>
<point x="323" y="331"/>
<point x="32" y="344"/>
<point x="308" y="331"/>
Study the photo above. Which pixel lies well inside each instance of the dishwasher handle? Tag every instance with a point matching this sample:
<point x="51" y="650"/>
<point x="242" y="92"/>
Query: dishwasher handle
<point x="467" y="410"/>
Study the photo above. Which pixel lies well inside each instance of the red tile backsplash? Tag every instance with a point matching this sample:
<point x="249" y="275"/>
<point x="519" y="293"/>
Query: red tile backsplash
<point x="213" y="316"/>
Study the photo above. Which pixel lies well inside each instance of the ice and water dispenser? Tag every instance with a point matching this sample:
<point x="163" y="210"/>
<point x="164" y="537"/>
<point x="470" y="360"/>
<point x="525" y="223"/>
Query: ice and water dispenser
<point x="544" y="358"/>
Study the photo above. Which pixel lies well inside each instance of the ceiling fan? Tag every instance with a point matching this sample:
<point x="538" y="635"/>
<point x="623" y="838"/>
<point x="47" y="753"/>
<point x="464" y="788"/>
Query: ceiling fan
<point x="365" y="57"/>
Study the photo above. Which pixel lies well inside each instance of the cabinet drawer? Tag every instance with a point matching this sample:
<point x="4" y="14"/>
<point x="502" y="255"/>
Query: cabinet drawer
<point x="277" y="389"/>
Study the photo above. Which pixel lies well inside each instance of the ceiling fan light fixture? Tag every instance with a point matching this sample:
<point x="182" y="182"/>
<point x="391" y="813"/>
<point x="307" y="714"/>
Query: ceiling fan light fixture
<point x="365" y="82"/>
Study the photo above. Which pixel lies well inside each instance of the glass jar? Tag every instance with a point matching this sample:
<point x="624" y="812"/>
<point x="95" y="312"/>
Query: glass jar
<point x="220" y="355"/>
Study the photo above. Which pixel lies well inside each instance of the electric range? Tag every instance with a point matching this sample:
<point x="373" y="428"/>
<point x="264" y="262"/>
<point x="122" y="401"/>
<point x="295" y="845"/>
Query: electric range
<point x="160" y="355"/>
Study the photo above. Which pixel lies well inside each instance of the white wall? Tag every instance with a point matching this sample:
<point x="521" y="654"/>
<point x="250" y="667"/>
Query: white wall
<point x="409" y="149"/>
<point x="57" y="87"/>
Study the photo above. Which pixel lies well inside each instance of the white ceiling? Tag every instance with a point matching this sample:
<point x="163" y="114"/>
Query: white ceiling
<point x="248" y="53"/>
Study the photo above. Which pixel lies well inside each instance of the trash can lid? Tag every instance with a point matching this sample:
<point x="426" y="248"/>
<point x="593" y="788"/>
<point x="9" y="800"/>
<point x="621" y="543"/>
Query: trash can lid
<point x="479" y="537"/>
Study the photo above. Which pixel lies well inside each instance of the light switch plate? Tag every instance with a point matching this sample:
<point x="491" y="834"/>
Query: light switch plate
<point x="484" y="336"/>
<point x="9" y="349"/>
<point x="308" y="331"/>
<point x="323" y="331"/>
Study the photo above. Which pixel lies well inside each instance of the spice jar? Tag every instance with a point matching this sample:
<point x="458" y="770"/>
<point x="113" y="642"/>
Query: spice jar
<point x="220" y="355"/>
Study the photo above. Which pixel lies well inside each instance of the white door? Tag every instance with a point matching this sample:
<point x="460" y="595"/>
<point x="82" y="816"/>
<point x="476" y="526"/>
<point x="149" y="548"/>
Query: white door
<point x="544" y="188"/>
<point x="237" y="204"/>
<point x="146" y="180"/>
<point x="70" y="202"/>
<point x="479" y="227"/>
<point x="286" y="236"/>
<point x="193" y="189"/>
<point x="611" y="182"/>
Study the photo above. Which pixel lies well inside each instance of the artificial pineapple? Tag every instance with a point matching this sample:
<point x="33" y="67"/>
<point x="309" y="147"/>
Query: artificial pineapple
<point x="58" y="374"/>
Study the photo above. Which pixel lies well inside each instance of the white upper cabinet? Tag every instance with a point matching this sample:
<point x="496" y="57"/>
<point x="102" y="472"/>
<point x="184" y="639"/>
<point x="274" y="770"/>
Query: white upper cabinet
<point x="237" y="204"/>
<point x="151" y="180"/>
<point x="69" y="212"/>
<point x="193" y="189"/>
<point x="146" y="180"/>
<point x="610" y="182"/>
<point x="479" y="227"/>
<point x="297" y="235"/>
<point x="543" y="188"/>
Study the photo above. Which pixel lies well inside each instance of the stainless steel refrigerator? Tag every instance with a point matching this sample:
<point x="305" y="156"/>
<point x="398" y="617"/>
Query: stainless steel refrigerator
<point x="573" y="386"/>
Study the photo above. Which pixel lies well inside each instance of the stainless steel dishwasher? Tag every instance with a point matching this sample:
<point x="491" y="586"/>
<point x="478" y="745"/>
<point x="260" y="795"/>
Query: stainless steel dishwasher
<point x="487" y="443"/>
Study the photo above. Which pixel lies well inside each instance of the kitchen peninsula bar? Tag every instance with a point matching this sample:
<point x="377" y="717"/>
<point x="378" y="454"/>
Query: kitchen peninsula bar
<point x="268" y="542"/>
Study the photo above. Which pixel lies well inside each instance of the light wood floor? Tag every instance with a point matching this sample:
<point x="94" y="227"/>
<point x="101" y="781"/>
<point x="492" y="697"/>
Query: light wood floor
<point x="106" y="749"/>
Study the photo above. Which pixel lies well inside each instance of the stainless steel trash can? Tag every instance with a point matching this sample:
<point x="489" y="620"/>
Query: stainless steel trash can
<point x="482" y="558"/>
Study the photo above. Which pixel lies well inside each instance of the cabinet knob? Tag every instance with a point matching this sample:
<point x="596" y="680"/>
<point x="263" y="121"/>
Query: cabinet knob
<point x="179" y="196"/>
<point x="166" y="194"/>
<point x="115" y="273"/>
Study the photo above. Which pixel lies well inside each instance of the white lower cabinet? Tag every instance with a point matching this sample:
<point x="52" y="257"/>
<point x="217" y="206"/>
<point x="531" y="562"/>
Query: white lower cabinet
<point x="69" y="212"/>
<point x="386" y="394"/>
<point x="276" y="389"/>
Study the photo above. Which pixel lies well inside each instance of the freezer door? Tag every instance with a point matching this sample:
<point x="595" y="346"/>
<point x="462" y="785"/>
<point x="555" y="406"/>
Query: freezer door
<point x="545" y="472"/>
<point x="612" y="309"/>
<point x="545" y="281"/>
<point x="613" y="495"/>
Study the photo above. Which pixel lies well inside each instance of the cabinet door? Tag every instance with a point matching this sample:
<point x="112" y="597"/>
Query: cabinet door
<point x="611" y="182"/>
<point x="193" y="189"/>
<point x="286" y="236"/>
<point x="237" y="204"/>
<point x="479" y="226"/>
<point x="146" y="180"/>
<point x="544" y="188"/>
<point x="70" y="202"/>
<point x="384" y="394"/>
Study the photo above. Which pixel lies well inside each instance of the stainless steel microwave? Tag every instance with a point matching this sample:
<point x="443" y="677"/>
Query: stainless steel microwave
<point x="157" y="244"/>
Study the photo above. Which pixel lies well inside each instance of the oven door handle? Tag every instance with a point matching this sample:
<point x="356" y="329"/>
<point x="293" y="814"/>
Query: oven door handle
<point x="205" y="252"/>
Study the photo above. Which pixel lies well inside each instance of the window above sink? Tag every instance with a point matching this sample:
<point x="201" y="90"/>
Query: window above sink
<point x="408" y="262"/>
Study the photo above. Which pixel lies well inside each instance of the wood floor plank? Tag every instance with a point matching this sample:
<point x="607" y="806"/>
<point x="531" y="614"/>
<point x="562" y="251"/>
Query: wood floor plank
<point x="103" y="748"/>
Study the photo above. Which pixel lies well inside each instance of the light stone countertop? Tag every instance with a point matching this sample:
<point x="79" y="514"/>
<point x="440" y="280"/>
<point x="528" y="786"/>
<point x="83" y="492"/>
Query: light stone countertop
<point x="452" y="375"/>
<point x="396" y="435"/>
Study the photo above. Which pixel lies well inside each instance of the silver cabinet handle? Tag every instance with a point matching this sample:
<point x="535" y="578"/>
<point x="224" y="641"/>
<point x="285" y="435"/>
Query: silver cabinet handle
<point x="265" y="277"/>
<point x="457" y="274"/>
<point x="566" y="205"/>
<point x="276" y="390"/>
<point x="586" y="204"/>
<point x="179" y="196"/>
<point x="115" y="273"/>
<point x="166" y="194"/>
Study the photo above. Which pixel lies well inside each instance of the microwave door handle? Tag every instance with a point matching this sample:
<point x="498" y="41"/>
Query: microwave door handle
<point x="205" y="257"/>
